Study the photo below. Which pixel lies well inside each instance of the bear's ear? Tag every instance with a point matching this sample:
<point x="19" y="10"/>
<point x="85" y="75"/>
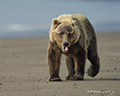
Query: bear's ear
<point x="55" y="22"/>
<point x="74" y="23"/>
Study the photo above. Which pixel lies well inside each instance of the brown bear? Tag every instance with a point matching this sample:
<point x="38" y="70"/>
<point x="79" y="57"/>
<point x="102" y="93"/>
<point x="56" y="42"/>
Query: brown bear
<point x="73" y="36"/>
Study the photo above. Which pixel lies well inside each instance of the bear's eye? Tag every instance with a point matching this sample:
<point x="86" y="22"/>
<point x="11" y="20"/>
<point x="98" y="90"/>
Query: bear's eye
<point x="70" y="34"/>
<point x="61" y="33"/>
<point x="73" y="25"/>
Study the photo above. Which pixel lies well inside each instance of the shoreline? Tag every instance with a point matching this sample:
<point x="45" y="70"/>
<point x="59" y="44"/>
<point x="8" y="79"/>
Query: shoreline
<point x="42" y="35"/>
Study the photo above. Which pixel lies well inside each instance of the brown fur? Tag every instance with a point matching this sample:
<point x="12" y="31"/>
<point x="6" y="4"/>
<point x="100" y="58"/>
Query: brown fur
<point x="76" y="33"/>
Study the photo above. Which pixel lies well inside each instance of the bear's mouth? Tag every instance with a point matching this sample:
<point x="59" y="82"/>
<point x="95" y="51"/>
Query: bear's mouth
<point x="65" y="49"/>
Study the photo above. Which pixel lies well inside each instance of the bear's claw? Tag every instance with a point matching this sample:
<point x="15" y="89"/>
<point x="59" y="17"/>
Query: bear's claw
<point x="73" y="78"/>
<point x="68" y="77"/>
<point x="55" y="79"/>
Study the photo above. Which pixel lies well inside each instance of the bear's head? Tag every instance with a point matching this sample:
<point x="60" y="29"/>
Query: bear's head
<point x="65" y="33"/>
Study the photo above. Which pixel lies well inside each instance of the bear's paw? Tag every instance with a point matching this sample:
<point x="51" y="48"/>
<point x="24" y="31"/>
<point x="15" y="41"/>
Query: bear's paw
<point x="55" y="79"/>
<point x="73" y="78"/>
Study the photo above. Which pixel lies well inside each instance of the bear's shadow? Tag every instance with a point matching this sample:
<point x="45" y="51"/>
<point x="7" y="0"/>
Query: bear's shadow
<point x="103" y="79"/>
<point x="97" y="79"/>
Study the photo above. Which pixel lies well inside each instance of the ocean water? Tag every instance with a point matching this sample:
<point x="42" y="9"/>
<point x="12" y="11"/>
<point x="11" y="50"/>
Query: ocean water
<point x="29" y="18"/>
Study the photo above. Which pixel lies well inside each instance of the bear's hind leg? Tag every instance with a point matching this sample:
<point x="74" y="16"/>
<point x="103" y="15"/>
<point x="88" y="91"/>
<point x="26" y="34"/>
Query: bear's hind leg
<point x="94" y="59"/>
<point x="70" y="67"/>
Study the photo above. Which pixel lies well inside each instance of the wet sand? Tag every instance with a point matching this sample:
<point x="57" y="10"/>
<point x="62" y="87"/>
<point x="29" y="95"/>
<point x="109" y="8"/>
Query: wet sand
<point x="24" y="70"/>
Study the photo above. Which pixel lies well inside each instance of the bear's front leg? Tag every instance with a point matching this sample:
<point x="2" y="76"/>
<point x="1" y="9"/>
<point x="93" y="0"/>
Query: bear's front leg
<point x="53" y="59"/>
<point x="70" y="67"/>
<point x="80" y="60"/>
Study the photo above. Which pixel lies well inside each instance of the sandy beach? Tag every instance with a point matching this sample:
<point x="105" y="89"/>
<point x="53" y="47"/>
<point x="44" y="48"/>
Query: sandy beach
<point x="24" y="70"/>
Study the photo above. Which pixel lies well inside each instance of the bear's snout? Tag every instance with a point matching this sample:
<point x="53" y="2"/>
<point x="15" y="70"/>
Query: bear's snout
<point x="65" y="47"/>
<point x="66" y="44"/>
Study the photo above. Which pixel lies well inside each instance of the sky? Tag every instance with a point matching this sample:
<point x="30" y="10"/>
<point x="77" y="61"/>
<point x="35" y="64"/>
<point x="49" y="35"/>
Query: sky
<point x="25" y="16"/>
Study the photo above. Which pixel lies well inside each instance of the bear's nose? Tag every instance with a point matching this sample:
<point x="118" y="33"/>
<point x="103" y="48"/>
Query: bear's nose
<point x="65" y="44"/>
